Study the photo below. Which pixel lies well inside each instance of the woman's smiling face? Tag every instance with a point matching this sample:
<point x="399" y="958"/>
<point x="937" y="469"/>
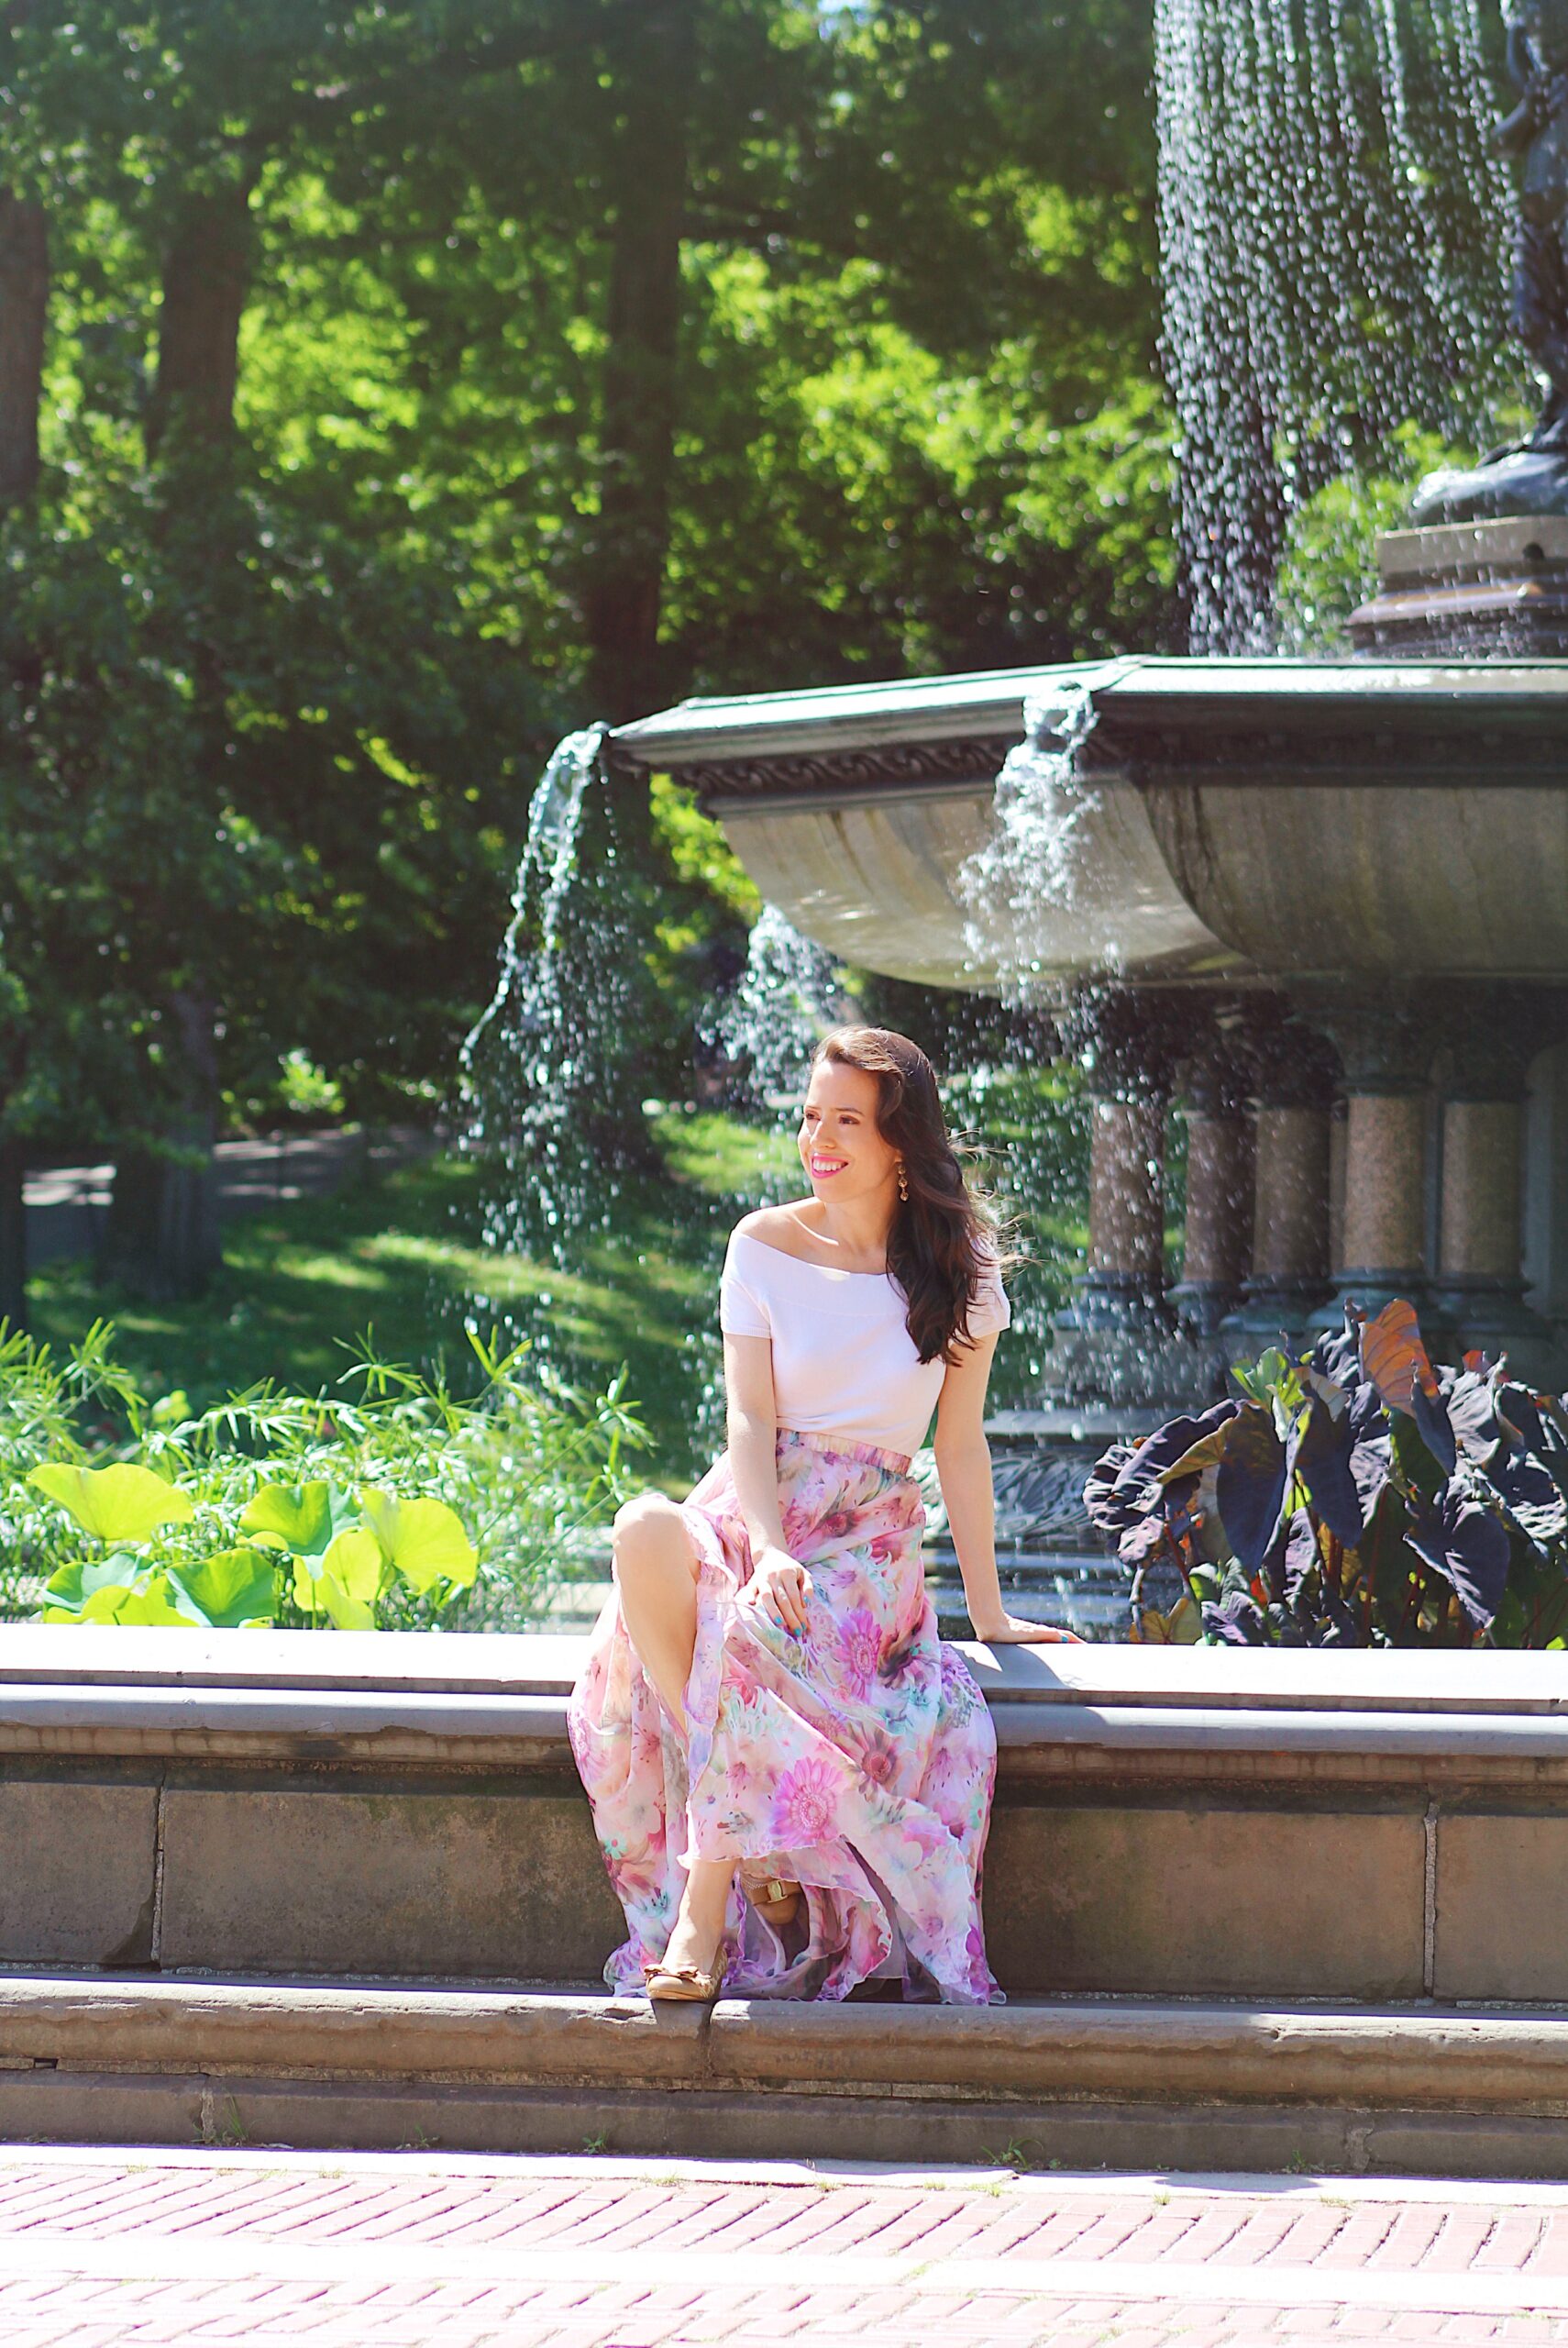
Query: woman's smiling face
<point x="844" y="1155"/>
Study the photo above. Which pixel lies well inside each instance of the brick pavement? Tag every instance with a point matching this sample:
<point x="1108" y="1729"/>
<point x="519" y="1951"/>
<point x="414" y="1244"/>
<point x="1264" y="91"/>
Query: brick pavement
<point x="258" y="2249"/>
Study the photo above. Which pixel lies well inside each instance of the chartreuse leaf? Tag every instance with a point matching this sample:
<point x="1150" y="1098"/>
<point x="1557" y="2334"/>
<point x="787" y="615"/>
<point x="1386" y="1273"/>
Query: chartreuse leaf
<point x="236" y="1589"/>
<point x="120" y="1587"/>
<point x="304" y="1519"/>
<point x="150" y="1605"/>
<point x="345" y="1584"/>
<point x="67" y="1591"/>
<point x="423" y="1540"/>
<point x="118" y="1503"/>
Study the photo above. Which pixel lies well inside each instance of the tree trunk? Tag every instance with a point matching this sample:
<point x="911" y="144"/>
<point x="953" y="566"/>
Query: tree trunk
<point x="13" y="1233"/>
<point x="206" y="277"/>
<point x="164" y="1238"/>
<point x="655" y="65"/>
<point x="24" y="307"/>
<point x="24" y="314"/>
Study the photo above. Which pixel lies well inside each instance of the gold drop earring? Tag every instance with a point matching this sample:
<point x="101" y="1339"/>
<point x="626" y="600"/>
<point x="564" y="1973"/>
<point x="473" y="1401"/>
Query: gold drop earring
<point x="904" y="1181"/>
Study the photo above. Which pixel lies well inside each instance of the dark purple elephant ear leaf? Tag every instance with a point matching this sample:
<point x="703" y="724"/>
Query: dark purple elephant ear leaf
<point x="1237" y="1619"/>
<point x="1460" y="1540"/>
<point x="1337" y="1354"/>
<point x="1518" y="1414"/>
<point x="1207" y="1453"/>
<point x="1125" y="1482"/>
<point x="1143" y="1540"/>
<point x="1320" y="1454"/>
<point x="1109" y="1506"/>
<point x="1371" y="1465"/>
<point x="1435" y="1428"/>
<point x="1249" y="1487"/>
<point x="1473" y="1412"/>
<point x="1532" y="1497"/>
<point x="1293" y="1555"/>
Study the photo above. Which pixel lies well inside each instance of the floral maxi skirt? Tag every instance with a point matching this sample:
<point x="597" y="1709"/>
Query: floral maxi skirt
<point x="856" y="1758"/>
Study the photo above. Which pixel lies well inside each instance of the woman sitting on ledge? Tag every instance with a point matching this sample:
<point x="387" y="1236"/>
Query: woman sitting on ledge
<point x="791" y="1775"/>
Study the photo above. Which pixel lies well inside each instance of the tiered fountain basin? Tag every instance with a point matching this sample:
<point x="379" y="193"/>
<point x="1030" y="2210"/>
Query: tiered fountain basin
<point x="1320" y="903"/>
<point x="1254" y="1910"/>
<point x="1257" y="819"/>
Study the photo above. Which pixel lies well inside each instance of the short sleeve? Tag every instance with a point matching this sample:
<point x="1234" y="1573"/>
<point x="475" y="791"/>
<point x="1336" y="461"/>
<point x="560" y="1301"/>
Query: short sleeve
<point x="742" y="1310"/>
<point x="991" y="1310"/>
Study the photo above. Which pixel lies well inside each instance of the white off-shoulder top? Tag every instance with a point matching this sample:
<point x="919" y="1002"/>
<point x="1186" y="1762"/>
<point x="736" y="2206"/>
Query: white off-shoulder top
<point x="843" y="1363"/>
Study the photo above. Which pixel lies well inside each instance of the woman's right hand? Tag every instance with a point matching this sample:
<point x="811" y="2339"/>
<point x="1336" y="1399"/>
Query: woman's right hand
<point x="779" y="1589"/>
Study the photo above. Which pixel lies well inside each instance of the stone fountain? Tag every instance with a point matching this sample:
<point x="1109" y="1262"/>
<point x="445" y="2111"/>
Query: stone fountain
<point x="1321" y="904"/>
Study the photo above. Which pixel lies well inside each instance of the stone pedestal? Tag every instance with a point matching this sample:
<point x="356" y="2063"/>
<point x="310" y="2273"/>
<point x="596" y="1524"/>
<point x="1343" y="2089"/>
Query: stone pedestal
<point x="1495" y="1032"/>
<point x="1471" y="589"/>
<point x="1293" y="1075"/>
<point x="1127" y="1219"/>
<point x="1111" y="1342"/>
<point x="1385" y="1048"/>
<point x="1219" y="1176"/>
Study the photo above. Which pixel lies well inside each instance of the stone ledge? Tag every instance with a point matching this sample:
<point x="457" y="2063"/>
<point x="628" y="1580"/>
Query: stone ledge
<point x="1093" y="2049"/>
<point x="1116" y="2084"/>
<point x="1036" y="1740"/>
<point x="513" y="1664"/>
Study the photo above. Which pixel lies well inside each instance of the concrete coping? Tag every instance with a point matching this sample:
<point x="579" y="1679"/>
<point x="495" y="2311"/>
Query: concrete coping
<point x="395" y="1698"/>
<point x="512" y="1665"/>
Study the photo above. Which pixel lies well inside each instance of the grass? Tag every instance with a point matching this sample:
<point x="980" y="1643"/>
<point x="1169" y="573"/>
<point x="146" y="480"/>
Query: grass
<point x="400" y="1256"/>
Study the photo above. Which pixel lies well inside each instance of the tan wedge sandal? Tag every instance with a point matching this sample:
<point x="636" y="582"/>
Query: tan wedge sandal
<point x="687" y="1984"/>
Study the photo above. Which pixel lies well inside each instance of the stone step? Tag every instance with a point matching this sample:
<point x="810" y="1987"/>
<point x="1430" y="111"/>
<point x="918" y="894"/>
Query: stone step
<point x="1129" y="2084"/>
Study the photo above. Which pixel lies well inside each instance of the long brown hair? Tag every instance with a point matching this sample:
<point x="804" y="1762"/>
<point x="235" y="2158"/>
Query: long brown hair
<point x="944" y="1236"/>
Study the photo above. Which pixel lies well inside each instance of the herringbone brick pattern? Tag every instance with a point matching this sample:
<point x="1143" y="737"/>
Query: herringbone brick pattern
<point x="286" y="2250"/>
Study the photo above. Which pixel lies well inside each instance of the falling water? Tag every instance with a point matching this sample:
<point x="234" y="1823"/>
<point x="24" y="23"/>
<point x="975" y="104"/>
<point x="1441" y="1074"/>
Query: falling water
<point x="1334" y="222"/>
<point x="546" y="1070"/>
<point x="787" y="996"/>
<point x="1036" y="856"/>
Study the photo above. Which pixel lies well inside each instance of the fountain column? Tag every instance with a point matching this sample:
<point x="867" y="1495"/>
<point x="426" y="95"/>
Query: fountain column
<point x="1495" y="1032"/>
<point x="1294" y="1076"/>
<point x="1386" y="1045"/>
<point x="1219" y="1177"/>
<point x="1110" y="1340"/>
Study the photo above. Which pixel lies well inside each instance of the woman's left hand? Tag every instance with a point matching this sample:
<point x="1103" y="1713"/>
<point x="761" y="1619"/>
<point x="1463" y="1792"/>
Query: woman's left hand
<point x="1013" y="1632"/>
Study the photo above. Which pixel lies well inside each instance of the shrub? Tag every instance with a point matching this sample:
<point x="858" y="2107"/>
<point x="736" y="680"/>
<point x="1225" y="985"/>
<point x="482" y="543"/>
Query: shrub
<point x="1355" y="1497"/>
<point x="386" y="1502"/>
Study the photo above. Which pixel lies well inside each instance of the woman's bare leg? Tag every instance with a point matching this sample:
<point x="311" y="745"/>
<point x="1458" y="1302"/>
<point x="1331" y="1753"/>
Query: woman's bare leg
<point x="655" y="1571"/>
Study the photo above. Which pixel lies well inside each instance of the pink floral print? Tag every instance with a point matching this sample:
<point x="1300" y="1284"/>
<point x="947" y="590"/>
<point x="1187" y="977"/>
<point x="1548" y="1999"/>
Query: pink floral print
<point x="857" y="1758"/>
<point x="805" y="1806"/>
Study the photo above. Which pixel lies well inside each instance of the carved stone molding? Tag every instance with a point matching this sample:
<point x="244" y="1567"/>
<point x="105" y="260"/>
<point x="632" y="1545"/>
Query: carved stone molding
<point x="875" y="767"/>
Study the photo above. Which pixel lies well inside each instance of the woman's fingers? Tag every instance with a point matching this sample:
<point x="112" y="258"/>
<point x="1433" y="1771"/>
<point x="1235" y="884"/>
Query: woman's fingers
<point x="782" y="1592"/>
<point x="792" y="1591"/>
<point x="1019" y="1634"/>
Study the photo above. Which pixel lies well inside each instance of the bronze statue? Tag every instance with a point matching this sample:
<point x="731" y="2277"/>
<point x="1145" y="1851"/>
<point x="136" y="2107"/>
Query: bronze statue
<point x="1538" y="130"/>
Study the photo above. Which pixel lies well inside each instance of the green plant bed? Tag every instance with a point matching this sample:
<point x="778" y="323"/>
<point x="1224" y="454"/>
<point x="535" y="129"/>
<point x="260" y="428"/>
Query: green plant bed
<point x="388" y="1500"/>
